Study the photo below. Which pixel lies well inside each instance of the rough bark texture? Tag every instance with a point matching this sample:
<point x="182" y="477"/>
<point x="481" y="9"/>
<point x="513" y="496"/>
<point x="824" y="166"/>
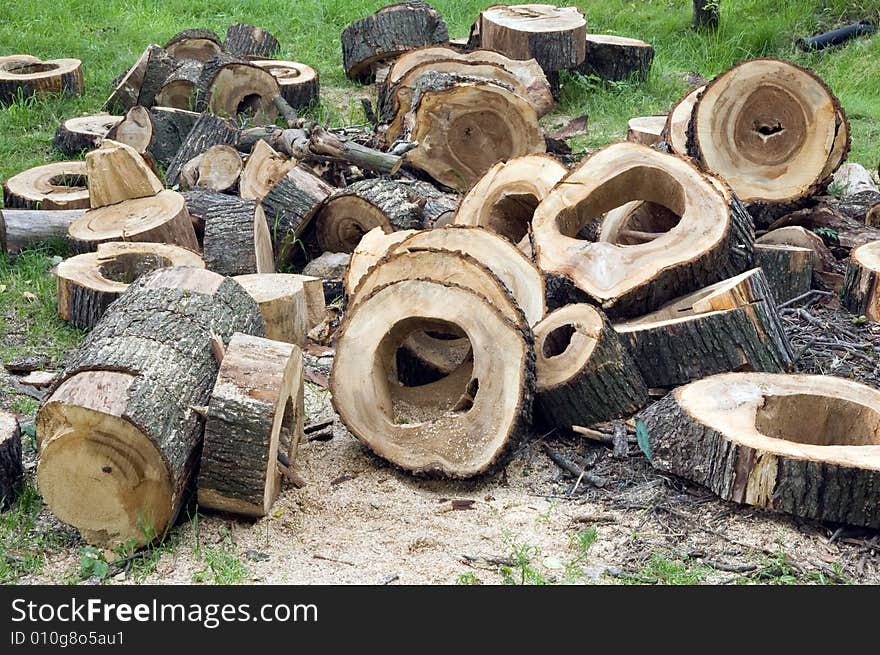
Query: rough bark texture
<point x="179" y="87"/>
<point x="617" y="60"/>
<point x="11" y="469"/>
<point x="860" y="293"/>
<point x="208" y="131"/>
<point x="66" y="80"/>
<point x="163" y="129"/>
<point x="387" y="33"/>
<point x="789" y="270"/>
<point x="438" y="206"/>
<point x="22" y="227"/>
<point x="249" y="41"/>
<point x="159" y="66"/>
<point x="76" y="135"/>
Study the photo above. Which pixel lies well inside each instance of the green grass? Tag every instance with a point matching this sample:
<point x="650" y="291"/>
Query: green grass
<point x="667" y="569"/>
<point x="222" y="565"/>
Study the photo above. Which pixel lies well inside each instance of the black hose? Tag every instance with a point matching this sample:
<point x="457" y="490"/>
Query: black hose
<point x="837" y="37"/>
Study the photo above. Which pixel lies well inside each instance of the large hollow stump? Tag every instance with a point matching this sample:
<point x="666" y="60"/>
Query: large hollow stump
<point x="802" y="444"/>
<point x="729" y="326"/>
<point x="11" y="469"/>
<point x="76" y="135"/>
<point x="616" y="58"/>
<point x="235" y="88"/>
<point x="253" y="426"/>
<point x="283" y="304"/>
<point x="117" y="172"/>
<point x="788" y="269"/>
<point x="459" y="426"/>
<point x="860" y="293"/>
<point x="28" y="78"/>
<point x="59" y="185"/>
<point x="585" y="375"/>
<point x="89" y="282"/>
<point x="119" y="437"/>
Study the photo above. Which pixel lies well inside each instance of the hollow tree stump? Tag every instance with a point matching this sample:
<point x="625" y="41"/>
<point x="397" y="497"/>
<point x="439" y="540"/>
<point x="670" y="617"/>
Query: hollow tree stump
<point x="250" y="41"/>
<point x="616" y="58"/>
<point x="159" y="131"/>
<point x="860" y="293"/>
<point x="89" y="282"/>
<point x="27" y="79"/>
<point x="802" y="444"/>
<point x="76" y="135"/>
<point x="116" y="172"/>
<point x="235" y="88"/>
<point x="119" y="439"/>
<point x="585" y="375"/>
<point x="283" y="304"/>
<point x="729" y="326"/>
<point x="253" y="427"/>
<point x="59" y="185"/>
<point x="207" y="131"/>
<point x="788" y="269"/>
<point x="299" y="83"/>
<point x="11" y="469"/>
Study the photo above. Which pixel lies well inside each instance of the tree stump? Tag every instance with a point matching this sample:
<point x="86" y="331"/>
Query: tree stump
<point x="89" y="282"/>
<point x="143" y="81"/>
<point x="254" y="422"/>
<point x="389" y="32"/>
<point x="20" y="228"/>
<point x="11" y="469"/>
<point x="160" y="219"/>
<point x="795" y="235"/>
<point x="553" y="36"/>
<point x="585" y="375"/>
<point x="118" y="436"/>
<point x="505" y="198"/>
<point x="207" y="131"/>
<point x="76" y="135"/>
<point x="802" y="444"/>
<point x="26" y="79"/>
<point x="647" y="130"/>
<point x="236" y="236"/>
<point x="116" y="172"/>
<point x="372" y="247"/>
<point x="788" y="269"/>
<point x="300" y="85"/>
<point x="218" y="168"/>
<point x="236" y="88"/>
<point x="197" y="45"/>
<point x="860" y="293"/>
<point x="283" y="304"/>
<point x="249" y="41"/>
<point x="678" y="121"/>
<point x="729" y="326"/>
<point x="179" y="87"/>
<point x="59" y="185"/>
<point x="616" y="58"/>
<point x="707" y="14"/>
<point x="459" y="426"/>
<point x="159" y="131"/>
<point x="351" y="212"/>
<point x="262" y="171"/>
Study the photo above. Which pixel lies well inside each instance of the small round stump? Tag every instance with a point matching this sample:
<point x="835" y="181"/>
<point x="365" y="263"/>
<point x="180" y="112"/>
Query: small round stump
<point x="861" y="293"/>
<point x="76" y="135"/>
<point x="299" y="83"/>
<point x="26" y="78"/>
<point x="59" y="185"/>
<point x="616" y="58"/>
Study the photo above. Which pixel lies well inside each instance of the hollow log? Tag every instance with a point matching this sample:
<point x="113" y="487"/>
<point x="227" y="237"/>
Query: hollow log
<point x="372" y="247"/>
<point x="263" y="169"/>
<point x="55" y="186"/>
<point x="179" y="87"/>
<point x="246" y="40"/>
<point x="235" y="88"/>
<point x="283" y="303"/>
<point x="159" y="131"/>
<point x="11" y="469"/>
<point x="860" y="293"/>
<point x="89" y="282"/>
<point x="675" y="133"/>
<point x="647" y="130"/>
<point x="788" y="269"/>
<point x="390" y="31"/>
<point x="299" y="83"/>
<point x="143" y="81"/>
<point x="116" y="172"/>
<point x="729" y="326"/>
<point x="218" y="168"/>
<point x="207" y="131"/>
<point x="19" y="228"/>
<point x="460" y="426"/>
<point x="115" y="464"/>
<point x="27" y="79"/>
<point x="616" y="58"/>
<point x="802" y="444"/>
<point x="254" y="420"/>
<point x="197" y="45"/>
<point x="585" y="375"/>
<point x="76" y="135"/>
<point x="710" y="237"/>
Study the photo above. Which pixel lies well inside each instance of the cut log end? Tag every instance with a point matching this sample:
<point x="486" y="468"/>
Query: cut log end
<point x="861" y="293"/>
<point x="59" y="185"/>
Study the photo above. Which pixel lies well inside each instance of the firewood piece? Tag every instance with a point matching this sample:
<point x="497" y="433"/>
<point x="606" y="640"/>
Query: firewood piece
<point x="11" y="468"/>
<point x="389" y="32"/>
<point x="616" y="58"/>
<point x="143" y="81"/>
<point x="59" y="185"/>
<point x="802" y="444"/>
<point x="76" y="135"/>
<point x="290" y="205"/>
<point x="115" y="464"/>
<point x="89" y="282"/>
<point x="179" y="88"/>
<point x="255" y="416"/>
<point x="518" y="273"/>
<point x="852" y="178"/>
<point x="795" y="235"/>
<point x="438" y="207"/>
<point x="861" y="294"/>
<point x="460" y="426"/>
<point x="236" y="240"/>
<point x="464" y="128"/>
<point x="198" y="44"/>
<point x="729" y="326"/>
<point x="300" y="85"/>
<point x="768" y="127"/>
<point x="313" y="291"/>
<point x="284" y="304"/>
<point x="250" y="41"/>
<point x="872" y="217"/>
<point x="647" y="130"/>
<point x="330" y="268"/>
<point x="788" y="269"/>
<point x="263" y="170"/>
<point x="327" y="144"/>
<point x="707" y="14"/>
<point x="159" y="219"/>
<point x="116" y="172"/>
<point x="505" y="198"/>
<point x="848" y="232"/>
<point x="678" y="121"/>
<point x="233" y="87"/>
<point x="585" y="375"/>
<point x="218" y="168"/>
<point x="351" y="212"/>
<point x="20" y="228"/>
<point x="711" y="240"/>
<point x="372" y="247"/>
<point x="26" y="79"/>
<point x="554" y="36"/>
<point x="209" y="130"/>
<point x="159" y="131"/>
<point x="853" y="207"/>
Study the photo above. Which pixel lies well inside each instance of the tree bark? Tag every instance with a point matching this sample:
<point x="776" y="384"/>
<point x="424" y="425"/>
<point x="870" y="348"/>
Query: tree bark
<point x="22" y="227"/>
<point x="11" y="469"/>
<point x="788" y="269"/>
<point x="76" y="135"/>
<point x="29" y="79"/>
<point x="246" y="40"/>
<point x="860" y="293"/>
<point x="207" y="131"/>
<point x="616" y="58"/>
<point x="159" y="131"/>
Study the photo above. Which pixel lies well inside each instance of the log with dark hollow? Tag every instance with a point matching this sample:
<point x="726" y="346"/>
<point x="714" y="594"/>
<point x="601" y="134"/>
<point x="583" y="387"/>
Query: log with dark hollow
<point x="235" y="88"/>
<point x="82" y="133"/>
<point x="28" y="78"/>
<point x="803" y="444"/>
<point x="11" y="468"/>
<point x="616" y="58"/>
<point x="59" y="185"/>
<point x="861" y="293"/>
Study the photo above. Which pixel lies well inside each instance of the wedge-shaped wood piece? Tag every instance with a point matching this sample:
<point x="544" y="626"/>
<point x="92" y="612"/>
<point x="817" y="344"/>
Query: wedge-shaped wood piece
<point x="284" y="304"/>
<point x="505" y="198"/>
<point x="59" y="185"/>
<point x="861" y="293"/>
<point x="82" y="133"/>
<point x="730" y="326"/>
<point x="263" y="170"/>
<point x="117" y="172"/>
<point x="162" y="218"/>
<point x="300" y="84"/>
<point x="254" y="423"/>
<point x="675" y="133"/>
<point x="647" y="130"/>
<point x="119" y="438"/>
<point x="372" y="247"/>
<point x="11" y="468"/>
<point x="788" y="269"/>
<point x="709" y="239"/>
<point x="616" y="58"/>
<point x="808" y="445"/>
<point x="89" y="282"/>
<point x="585" y="375"/>
<point x="34" y="78"/>
<point x="459" y="426"/>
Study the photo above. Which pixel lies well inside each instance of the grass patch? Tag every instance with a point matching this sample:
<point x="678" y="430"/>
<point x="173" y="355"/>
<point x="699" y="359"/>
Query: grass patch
<point x="668" y="569"/>
<point x="222" y="563"/>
